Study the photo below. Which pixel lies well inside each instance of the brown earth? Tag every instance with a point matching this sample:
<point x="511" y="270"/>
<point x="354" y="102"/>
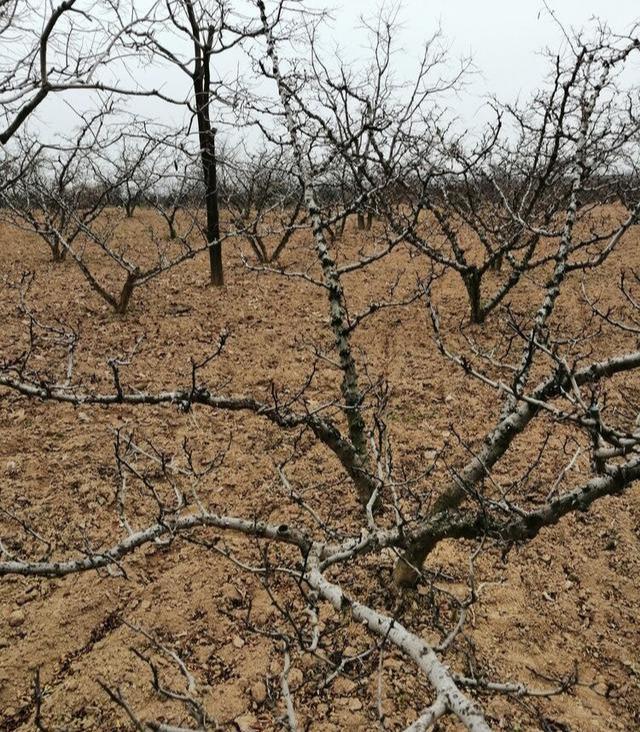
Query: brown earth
<point x="567" y="600"/>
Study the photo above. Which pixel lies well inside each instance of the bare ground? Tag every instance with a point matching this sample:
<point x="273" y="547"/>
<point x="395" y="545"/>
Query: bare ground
<point x="567" y="600"/>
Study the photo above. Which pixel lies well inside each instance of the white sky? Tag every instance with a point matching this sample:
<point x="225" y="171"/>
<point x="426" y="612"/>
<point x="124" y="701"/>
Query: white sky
<point x="503" y="37"/>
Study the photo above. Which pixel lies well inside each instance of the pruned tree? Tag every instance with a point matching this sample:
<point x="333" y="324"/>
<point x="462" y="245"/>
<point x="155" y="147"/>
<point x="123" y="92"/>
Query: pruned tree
<point x="135" y="268"/>
<point x="545" y="376"/>
<point x="57" y="191"/>
<point x="65" y="191"/>
<point x="498" y="205"/>
<point x="133" y="169"/>
<point x="176" y="192"/>
<point x="209" y="30"/>
<point x="263" y="198"/>
<point x="80" y="38"/>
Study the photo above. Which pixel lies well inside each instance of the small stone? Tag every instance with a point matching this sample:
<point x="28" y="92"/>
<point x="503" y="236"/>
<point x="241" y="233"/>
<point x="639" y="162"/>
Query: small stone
<point x="274" y="667"/>
<point x="264" y="614"/>
<point x="231" y="592"/>
<point x="84" y="417"/>
<point x="16" y="618"/>
<point x="308" y="661"/>
<point x="11" y="468"/>
<point x="4" y="643"/>
<point x="394" y="663"/>
<point x="259" y="692"/>
<point x="388" y="707"/>
<point x="237" y="641"/>
<point x="355" y="705"/>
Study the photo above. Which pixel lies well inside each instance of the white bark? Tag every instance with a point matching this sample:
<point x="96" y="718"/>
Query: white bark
<point x="465" y="709"/>
<point x="337" y="310"/>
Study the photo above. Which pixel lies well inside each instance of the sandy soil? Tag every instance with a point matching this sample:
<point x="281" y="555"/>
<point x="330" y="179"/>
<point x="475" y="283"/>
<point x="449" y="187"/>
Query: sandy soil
<point x="567" y="600"/>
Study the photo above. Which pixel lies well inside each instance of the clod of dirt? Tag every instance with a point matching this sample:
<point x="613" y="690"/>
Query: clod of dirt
<point x="295" y="678"/>
<point x="259" y="692"/>
<point x="246" y="723"/>
<point x="17" y="618"/>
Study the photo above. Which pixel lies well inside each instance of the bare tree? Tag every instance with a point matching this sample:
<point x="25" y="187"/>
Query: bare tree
<point x="57" y="191"/>
<point x="540" y="369"/>
<point x="64" y="194"/>
<point x="176" y="189"/>
<point x="210" y="29"/>
<point x="263" y="197"/>
<point x="133" y="170"/>
<point x="64" y="51"/>
<point x="500" y="203"/>
<point x="79" y="38"/>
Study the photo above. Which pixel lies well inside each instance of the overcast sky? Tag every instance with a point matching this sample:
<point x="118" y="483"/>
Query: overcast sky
<point x="504" y="38"/>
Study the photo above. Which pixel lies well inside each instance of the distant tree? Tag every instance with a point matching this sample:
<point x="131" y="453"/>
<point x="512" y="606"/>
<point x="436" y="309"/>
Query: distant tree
<point x="210" y="29"/>
<point x="264" y="199"/>
<point x="59" y="189"/>
<point x="501" y="203"/>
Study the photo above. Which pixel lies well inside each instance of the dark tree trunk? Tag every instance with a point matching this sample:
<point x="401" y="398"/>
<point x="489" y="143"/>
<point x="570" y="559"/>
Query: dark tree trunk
<point x="206" y="133"/>
<point x="496" y="264"/>
<point x="472" y="281"/>
<point x="58" y="250"/>
<point x="208" y="146"/>
<point x="57" y="254"/>
<point x="369" y="220"/>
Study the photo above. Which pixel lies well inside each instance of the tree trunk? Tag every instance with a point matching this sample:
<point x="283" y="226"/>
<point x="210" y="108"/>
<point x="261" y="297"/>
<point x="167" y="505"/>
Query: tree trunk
<point x="127" y="291"/>
<point x="58" y="251"/>
<point x="172" y="229"/>
<point x="207" y="137"/>
<point x="369" y="220"/>
<point x="213" y="216"/>
<point x="350" y="389"/>
<point x="361" y="225"/>
<point x="472" y="282"/>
